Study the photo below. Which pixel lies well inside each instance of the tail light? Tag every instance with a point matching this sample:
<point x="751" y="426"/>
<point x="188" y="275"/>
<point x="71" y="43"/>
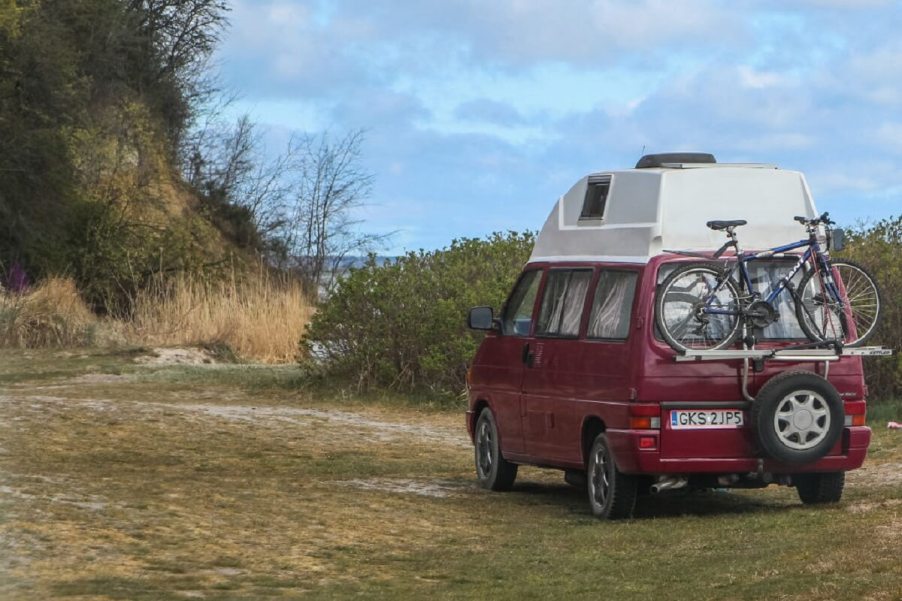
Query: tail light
<point x="645" y="416"/>
<point x="856" y="412"/>
<point x="648" y="442"/>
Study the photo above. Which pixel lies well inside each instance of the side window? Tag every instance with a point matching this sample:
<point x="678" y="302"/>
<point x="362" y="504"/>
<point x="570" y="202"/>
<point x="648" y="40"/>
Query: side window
<point x="613" y="305"/>
<point x="563" y="301"/>
<point x="596" y="198"/>
<point x="518" y="311"/>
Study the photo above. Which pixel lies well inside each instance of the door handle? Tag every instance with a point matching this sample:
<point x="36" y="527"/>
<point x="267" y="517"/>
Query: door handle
<point x="527" y="356"/>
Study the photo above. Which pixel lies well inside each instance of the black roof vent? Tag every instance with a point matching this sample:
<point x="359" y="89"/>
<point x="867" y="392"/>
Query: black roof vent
<point x="662" y="160"/>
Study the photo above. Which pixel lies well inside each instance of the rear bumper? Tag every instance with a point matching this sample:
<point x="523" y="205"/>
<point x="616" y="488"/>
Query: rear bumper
<point x="848" y="454"/>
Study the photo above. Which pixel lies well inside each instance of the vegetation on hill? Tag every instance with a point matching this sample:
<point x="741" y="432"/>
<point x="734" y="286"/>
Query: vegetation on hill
<point x="96" y="97"/>
<point x="132" y="210"/>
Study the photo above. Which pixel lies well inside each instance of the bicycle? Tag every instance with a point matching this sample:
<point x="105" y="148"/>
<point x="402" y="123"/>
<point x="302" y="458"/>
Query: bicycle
<point x="704" y="306"/>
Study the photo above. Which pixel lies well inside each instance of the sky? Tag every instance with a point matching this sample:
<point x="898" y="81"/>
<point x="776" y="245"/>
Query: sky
<point x="479" y="114"/>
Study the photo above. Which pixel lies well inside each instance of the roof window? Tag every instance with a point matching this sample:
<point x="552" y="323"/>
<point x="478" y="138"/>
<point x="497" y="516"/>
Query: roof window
<point x="596" y="198"/>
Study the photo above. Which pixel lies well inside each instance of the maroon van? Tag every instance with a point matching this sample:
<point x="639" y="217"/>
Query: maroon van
<point x="575" y="375"/>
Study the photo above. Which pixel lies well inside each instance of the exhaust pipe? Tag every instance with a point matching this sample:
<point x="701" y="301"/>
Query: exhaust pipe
<point x="669" y="483"/>
<point x="728" y="480"/>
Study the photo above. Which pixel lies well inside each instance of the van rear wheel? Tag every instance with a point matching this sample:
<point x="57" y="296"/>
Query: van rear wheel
<point x="493" y="471"/>
<point x="612" y="494"/>
<point x="816" y="489"/>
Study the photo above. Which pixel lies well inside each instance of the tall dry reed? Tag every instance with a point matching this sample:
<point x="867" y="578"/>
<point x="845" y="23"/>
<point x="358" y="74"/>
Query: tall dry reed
<point x="259" y="317"/>
<point x="52" y="314"/>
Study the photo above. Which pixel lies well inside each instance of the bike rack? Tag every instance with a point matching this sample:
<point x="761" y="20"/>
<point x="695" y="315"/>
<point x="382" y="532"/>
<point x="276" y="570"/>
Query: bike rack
<point x="806" y="352"/>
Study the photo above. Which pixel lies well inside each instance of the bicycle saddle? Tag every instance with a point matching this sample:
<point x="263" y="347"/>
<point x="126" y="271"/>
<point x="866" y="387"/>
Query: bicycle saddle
<point x="722" y="225"/>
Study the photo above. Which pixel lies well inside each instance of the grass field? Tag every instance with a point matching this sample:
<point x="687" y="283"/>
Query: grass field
<point x="121" y="480"/>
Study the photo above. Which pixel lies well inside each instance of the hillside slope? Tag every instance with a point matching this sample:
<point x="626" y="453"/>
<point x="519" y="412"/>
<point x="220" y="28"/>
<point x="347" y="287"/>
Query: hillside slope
<point x="95" y="100"/>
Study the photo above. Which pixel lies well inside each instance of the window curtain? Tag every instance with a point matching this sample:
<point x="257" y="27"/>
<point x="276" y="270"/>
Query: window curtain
<point x="573" y="305"/>
<point x="764" y="278"/>
<point x="612" y="306"/>
<point x="562" y="306"/>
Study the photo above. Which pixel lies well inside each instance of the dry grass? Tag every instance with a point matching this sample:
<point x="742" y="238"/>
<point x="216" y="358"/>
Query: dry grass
<point x="51" y="315"/>
<point x="119" y="481"/>
<point x="259" y="317"/>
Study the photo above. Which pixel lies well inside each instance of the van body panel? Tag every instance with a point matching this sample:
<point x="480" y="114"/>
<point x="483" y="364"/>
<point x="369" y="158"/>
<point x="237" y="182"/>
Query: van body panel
<point x="569" y="379"/>
<point x="849" y="454"/>
<point x="544" y="405"/>
<point x="650" y="210"/>
<point x="500" y="363"/>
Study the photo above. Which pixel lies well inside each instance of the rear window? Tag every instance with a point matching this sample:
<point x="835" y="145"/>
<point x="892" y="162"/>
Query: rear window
<point x="764" y="276"/>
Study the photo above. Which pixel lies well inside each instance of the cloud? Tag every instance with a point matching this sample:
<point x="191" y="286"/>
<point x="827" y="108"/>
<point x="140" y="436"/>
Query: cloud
<point x="281" y="48"/>
<point x="520" y="32"/>
<point x="286" y="47"/>
<point x="846" y="4"/>
<point x="484" y="110"/>
<point x="480" y="113"/>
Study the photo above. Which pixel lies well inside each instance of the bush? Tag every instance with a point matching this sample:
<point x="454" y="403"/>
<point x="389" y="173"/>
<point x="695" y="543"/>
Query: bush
<point x="401" y="325"/>
<point x="879" y="248"/>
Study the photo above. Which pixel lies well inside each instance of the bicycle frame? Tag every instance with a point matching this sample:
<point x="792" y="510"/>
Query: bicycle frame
<point x="813" y="249"/>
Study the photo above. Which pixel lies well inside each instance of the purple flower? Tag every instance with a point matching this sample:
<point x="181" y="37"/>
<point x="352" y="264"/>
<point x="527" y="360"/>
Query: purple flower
<point x="16" y="278"/>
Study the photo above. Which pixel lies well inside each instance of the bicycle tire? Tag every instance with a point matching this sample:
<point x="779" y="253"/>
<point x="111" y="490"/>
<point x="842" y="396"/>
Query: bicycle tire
<point x="676" y="308"/>
<point x="861" y="295"/>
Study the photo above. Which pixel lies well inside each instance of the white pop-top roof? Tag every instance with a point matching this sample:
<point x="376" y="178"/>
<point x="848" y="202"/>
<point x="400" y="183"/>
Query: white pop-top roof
<point x="650" y="210"/>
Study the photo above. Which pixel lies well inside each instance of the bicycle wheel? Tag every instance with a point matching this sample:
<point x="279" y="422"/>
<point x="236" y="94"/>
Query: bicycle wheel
<point x="680" y="303"/>
<point x="822" y="316"/>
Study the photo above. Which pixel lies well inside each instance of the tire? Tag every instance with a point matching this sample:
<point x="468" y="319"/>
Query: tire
<point x="822" y="319"/>
<point x="612" y="494"/>
<point x="493" y="471"/>
<point x="798" y="417"/>
<point x="817" y="489"/>
<point x="679" y="297"/>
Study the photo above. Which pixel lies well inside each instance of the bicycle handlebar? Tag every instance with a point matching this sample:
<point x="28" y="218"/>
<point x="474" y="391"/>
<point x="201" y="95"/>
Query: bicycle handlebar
<point x="825" y="219"/>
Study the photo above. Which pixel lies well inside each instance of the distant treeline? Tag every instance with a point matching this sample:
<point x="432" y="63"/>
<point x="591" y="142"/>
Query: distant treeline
<point x="400" y="325"/>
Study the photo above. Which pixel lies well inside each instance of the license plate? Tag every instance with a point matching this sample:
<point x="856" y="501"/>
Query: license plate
<point x="709" y="418"/>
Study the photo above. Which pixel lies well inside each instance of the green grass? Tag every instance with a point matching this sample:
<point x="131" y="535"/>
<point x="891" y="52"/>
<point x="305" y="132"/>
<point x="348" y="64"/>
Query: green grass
<point x="881" y="413"/>
<point x="232" y="483"/>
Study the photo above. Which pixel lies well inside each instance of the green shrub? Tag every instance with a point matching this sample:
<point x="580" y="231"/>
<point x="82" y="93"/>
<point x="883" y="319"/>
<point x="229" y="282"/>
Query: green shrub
<point x="878" y="248"/>
<point x="401" y="325"/>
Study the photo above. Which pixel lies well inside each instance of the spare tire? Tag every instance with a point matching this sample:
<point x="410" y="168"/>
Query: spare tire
<point x="798" y="416"/>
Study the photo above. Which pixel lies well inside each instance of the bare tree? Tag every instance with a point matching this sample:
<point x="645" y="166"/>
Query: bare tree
<point x="328" y="187"/>
<point x="182" y="33"/>
<point x="180" y="36"/>
<point x="303" y="203"/>
<point x="229" y="166"/>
